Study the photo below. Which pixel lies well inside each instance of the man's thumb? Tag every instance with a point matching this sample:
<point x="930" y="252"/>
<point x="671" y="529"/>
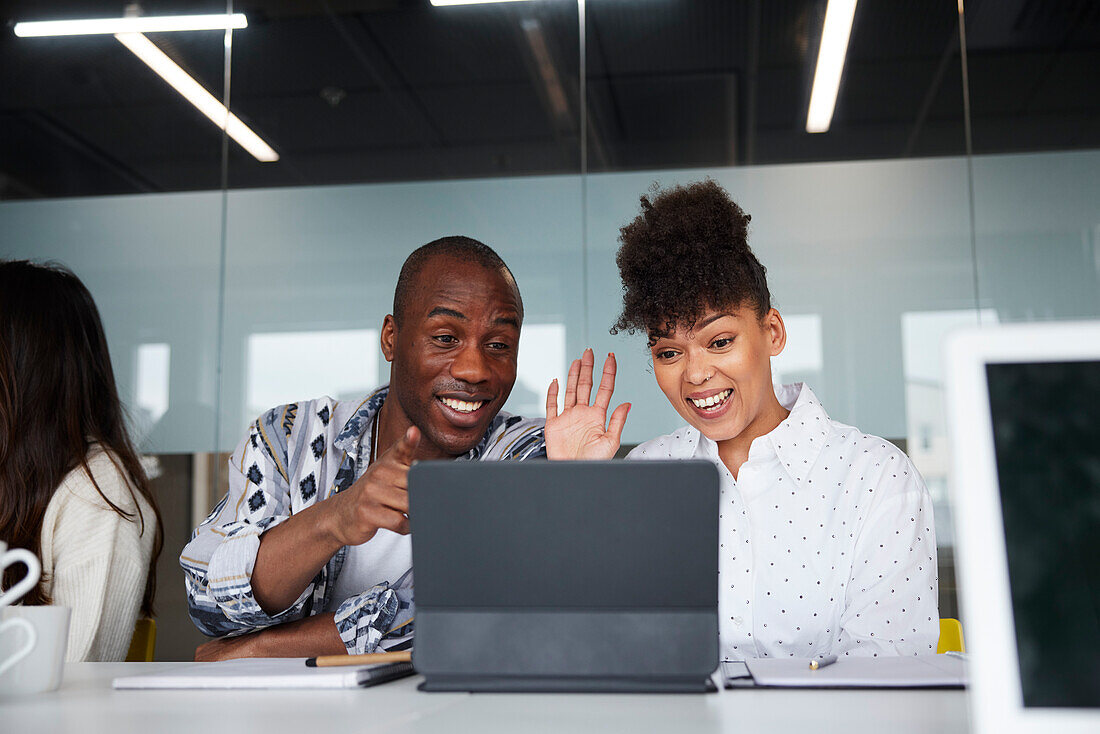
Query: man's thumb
<point x="405" y="449"/>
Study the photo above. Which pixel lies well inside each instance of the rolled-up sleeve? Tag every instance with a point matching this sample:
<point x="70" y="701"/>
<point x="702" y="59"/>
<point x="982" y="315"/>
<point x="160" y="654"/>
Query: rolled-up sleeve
<point x="365" y="620"/>
<point x="219" y="559"/>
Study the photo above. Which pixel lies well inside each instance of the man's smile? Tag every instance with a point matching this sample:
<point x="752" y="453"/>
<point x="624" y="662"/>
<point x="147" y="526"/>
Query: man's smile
<point x="465" y="410"/>
<point x="463" y="406"/>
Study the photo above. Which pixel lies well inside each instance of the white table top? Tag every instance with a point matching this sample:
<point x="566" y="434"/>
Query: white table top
<point x="87" y="704"/>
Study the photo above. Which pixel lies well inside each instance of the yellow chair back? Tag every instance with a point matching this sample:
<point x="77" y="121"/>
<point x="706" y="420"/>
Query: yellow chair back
<point x="143" y="643"/>
<point x="951" y="636"/>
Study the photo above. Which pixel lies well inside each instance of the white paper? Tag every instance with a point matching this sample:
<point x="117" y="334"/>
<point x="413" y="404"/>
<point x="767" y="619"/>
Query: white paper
<point x="919" y="671"/>
<point x="262" y="673"/>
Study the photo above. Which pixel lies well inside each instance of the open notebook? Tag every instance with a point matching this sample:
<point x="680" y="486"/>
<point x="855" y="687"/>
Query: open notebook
<point x="917" y="671"/>
<point x="265" y="673"/>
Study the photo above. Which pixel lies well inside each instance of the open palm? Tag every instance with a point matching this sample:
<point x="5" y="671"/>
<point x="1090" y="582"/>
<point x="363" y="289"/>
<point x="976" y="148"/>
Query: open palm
<point x="582" y="431"/>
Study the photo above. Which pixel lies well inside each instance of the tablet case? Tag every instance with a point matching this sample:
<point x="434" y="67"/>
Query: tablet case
<point x="565" y="576"/>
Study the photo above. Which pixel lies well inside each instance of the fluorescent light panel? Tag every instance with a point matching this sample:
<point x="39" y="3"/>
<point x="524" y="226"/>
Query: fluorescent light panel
<point x="440" y="3"/>
<point x="179" y="79"/>
<point x="143" y="24"/>
<point x="555" y="94"/>
<point x="830" y="64"/>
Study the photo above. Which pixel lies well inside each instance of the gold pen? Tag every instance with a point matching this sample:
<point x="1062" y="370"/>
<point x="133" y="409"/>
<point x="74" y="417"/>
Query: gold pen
<point x="819" y="664"/>
<point x="331" y="661"/>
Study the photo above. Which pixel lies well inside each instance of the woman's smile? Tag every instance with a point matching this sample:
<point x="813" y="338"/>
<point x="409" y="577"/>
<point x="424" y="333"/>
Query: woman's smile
<point x="711" y="403"/>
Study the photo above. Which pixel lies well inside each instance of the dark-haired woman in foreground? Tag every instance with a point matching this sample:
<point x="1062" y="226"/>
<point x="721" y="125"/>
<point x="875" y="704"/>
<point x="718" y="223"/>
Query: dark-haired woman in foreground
<point x="72" y="489"/>
<point x="826" y="533"/>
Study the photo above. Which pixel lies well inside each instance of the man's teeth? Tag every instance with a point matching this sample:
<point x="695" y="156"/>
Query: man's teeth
<point x="712" y="400"/>
<point x="461" y="405"/>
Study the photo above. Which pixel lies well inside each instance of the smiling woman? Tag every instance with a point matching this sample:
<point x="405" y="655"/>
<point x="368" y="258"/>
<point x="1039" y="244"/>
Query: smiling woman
<point x="827" y="541"/>
<point x="716" y="373"/>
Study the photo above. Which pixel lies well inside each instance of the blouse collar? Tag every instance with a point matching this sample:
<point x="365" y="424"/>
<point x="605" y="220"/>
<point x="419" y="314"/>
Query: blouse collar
<point x="796" y="442"/>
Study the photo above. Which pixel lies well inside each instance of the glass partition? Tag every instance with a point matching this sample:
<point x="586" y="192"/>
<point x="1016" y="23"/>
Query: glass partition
<point x="1036" y="149"/>
<point x="865" y="229"/>
<point x="849" y="251"/>
<point x="357" y="92"/>
<point x="1036" y="144"/>
<point x="107" y="169"/>
<point x="84" y="115"/>
<point x="467" y="102"/>
<point x="307" y="264"/>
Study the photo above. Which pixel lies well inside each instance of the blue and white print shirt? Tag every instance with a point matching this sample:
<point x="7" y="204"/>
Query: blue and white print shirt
<point x="293" y="457"/>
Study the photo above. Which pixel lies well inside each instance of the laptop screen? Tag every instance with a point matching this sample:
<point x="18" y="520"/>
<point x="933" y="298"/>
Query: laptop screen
<point x="1046" y="436"/>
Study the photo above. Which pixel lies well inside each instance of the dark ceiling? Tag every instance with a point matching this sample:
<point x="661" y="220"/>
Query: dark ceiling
<point x="390" y="90"/>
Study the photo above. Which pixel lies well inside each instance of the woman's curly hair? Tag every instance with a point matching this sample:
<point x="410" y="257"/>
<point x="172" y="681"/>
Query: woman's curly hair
<point x="685" y="254"/>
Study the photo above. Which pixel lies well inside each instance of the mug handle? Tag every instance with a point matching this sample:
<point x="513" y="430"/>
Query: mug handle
<point x="25" y="584"/>
<point x="28" y="646"/>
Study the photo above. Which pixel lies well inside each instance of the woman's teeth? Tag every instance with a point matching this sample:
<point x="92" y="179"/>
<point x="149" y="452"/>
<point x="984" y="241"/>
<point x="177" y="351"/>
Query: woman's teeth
<point x="712" y="401"/>
<point x="461" y="405"/>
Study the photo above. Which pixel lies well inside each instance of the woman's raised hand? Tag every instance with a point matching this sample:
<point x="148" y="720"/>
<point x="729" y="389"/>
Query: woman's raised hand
<point x="582" y="431"/>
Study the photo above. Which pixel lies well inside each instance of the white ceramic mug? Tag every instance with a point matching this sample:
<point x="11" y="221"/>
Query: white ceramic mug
<point x="18" y="637"/>
<point x="18" y="650"/>
<point x="32" y="663"/>
<point x="25" y="584"/>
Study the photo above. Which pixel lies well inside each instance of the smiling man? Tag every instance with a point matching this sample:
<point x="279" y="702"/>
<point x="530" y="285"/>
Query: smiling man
<point x="309" y="551"/>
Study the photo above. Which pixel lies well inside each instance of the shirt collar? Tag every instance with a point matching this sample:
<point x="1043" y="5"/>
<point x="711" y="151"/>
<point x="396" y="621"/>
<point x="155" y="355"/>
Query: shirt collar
<point x="357" y="426"/>
<point x="796" y="442"/>
<point x="483" y="445"/>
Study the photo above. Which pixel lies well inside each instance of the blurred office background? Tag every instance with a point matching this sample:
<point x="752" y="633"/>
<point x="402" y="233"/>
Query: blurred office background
<point x="229" y="284"/>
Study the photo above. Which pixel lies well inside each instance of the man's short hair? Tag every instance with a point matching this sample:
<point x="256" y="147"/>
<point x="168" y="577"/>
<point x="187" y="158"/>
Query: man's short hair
<point x="465" y="249"/>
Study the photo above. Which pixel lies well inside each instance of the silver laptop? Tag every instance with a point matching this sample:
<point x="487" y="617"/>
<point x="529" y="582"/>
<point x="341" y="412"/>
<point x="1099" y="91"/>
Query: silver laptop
<point x="565" y="576"/>
<point x="1024" y="411"/>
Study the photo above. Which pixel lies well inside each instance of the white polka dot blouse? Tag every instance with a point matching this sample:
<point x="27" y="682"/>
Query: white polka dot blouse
<point x="827" y="545"/>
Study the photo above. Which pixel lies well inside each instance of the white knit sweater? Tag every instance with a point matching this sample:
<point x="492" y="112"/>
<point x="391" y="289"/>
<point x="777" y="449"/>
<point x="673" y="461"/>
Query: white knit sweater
<point x="96" y="561"/>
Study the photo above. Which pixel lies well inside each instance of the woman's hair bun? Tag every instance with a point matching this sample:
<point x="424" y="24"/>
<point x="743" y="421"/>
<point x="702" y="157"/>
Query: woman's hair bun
<point x="685" y="253"/>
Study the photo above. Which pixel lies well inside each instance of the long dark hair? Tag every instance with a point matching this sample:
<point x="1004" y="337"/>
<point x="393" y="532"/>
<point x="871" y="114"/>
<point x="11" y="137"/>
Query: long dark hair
<point x="57" y="398"/>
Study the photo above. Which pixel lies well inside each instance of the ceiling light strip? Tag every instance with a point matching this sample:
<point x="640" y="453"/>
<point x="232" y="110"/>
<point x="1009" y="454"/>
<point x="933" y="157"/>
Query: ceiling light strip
<point x="830" y="64"/>
<point x="441" y="3"/>
<point x="205" y="102"/>
<point x="143" y="24"/>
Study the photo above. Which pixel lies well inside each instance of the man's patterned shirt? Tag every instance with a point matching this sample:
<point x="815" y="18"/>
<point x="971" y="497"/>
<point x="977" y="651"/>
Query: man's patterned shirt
<point x="293" y="457"/>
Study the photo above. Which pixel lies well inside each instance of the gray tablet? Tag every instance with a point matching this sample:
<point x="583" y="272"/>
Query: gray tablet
<point x="565" y="576"/>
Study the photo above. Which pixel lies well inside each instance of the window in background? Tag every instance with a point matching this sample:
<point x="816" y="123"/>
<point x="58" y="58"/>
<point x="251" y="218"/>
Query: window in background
<point x="801" y="360"/>
<point x="541" y="359"/>
<point x="152" y="365"/>
<point x="286" y="366"/>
